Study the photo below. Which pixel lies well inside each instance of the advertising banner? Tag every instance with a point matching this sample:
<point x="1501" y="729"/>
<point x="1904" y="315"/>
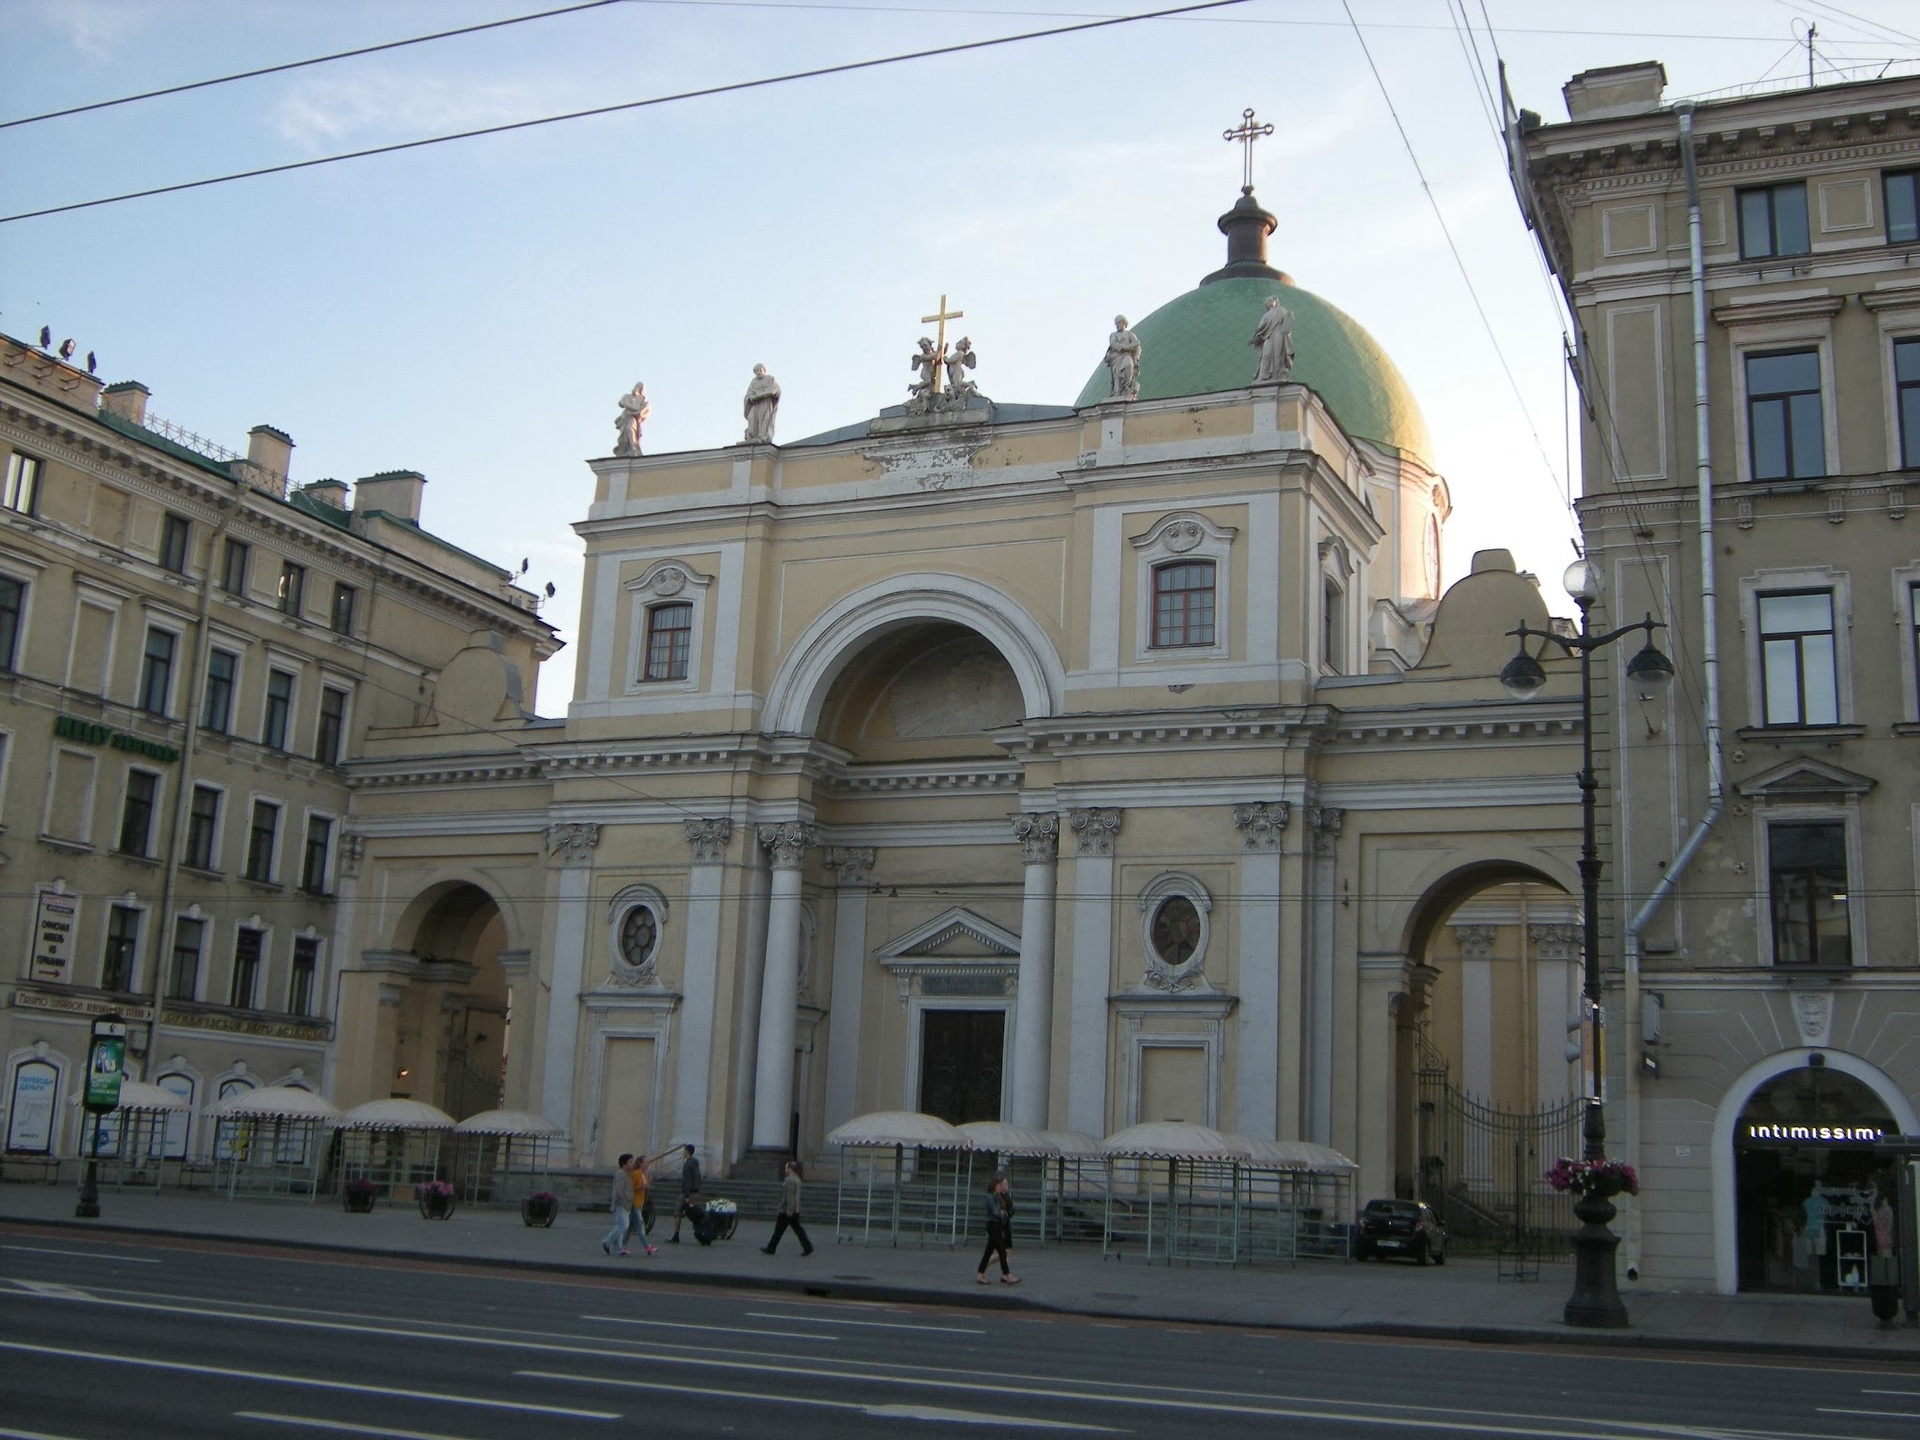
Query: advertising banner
<point x="106" y="1066"/>
<point x="53" y="928"/>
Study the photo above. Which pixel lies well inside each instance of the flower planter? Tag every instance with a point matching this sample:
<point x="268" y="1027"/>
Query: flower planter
<point x="435" y="1198"/>
<point x="540" y="1211"/>
<point x="357" y="1202"/>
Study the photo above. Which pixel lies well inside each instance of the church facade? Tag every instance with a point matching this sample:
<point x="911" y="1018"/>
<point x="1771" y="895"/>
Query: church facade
<point x="1073" y="765"/>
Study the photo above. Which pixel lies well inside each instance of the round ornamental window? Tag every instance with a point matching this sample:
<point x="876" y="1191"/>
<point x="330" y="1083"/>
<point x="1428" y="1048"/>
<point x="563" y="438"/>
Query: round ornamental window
<point x="639" y="933"/>
<point x="1176" y="930"/>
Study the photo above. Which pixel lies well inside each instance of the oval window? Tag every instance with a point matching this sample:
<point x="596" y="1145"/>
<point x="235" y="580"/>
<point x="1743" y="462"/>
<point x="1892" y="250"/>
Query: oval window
<point x="1176" y="930"/>
<point x="639" y="933"/>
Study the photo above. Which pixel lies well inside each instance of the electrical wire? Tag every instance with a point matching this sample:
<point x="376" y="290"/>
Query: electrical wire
<point x="302" y="64"/>
<point x="730" y="87"/>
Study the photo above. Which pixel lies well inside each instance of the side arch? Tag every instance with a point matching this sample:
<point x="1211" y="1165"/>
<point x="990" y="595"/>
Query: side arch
<point x="800" y="685"/>
<point x="413" y="916"/>
<point x="1435" y="894"/>
<point x="1726" y="1257"/>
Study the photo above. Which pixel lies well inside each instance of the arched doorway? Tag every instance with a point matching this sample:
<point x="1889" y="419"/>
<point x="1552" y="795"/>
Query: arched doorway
<point x="1806" y="1180"/>
<point x="451" y="1038"/>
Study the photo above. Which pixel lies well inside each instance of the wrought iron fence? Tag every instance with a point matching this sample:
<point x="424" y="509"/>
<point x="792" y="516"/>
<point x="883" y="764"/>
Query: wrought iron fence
<point x="1483" y="1169"/>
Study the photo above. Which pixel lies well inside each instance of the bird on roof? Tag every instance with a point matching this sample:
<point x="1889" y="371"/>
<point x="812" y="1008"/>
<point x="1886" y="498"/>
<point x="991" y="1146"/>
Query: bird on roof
<point x="93" y="365"/>
<point x="66" y="349"/>
<point x="550" y="590"/>
<point x="46" y="336"/>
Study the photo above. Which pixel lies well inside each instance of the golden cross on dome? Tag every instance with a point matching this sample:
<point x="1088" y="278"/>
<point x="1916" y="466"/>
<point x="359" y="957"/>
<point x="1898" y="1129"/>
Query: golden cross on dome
<point x="942" y="316"/>
<point x="1246" y="132"/>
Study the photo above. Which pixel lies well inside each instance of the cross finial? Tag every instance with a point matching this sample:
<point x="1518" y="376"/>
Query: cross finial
<point x="1246" y="132"/>
<point x="941" y="315"/>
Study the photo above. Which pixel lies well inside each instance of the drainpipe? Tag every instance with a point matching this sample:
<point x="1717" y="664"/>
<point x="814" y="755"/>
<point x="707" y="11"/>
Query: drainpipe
<point x="1710" y="673"/>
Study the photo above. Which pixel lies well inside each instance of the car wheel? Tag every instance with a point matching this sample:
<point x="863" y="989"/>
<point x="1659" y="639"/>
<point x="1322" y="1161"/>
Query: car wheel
<point x="1440" y="1257"/>
<point x="1420" y="1252"/>
<point x="1363" y="1251"/>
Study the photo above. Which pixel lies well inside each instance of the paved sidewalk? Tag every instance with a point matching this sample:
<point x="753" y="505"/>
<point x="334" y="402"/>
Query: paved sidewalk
<point x="1463" y="1300"/>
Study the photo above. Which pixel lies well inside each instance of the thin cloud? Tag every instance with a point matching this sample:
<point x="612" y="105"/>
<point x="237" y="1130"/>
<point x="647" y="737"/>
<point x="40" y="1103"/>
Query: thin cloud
<point x="327" y="112"/>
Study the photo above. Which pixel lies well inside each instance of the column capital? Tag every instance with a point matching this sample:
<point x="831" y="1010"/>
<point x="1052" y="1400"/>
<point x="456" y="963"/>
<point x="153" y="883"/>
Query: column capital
<point x="709" y="839"/>
<point x="853" y="865"/>
<point x="1260" y="823"/>
<point x="573" y="843"/>
<point x="352" y="848"/>
<point x="1324" y="821"/>
<point x="1039" y="835"/>
<point x="1096" y="829"/>
<point x="1556" y="941"/>
<point x="788" y="842"/>
<point x="1476" y="941"/>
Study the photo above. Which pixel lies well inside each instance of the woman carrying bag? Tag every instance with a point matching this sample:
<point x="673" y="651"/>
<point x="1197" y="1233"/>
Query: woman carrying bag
<point x="996" y="1208"/>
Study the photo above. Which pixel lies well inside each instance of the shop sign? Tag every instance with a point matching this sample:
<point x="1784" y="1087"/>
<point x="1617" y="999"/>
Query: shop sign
<point x="24" y="999"/>
<point x="1775" y="1133"/>
<point x="53" y="926"/>
<point x="87" y="732"/>
<point x="106" y="1066"/>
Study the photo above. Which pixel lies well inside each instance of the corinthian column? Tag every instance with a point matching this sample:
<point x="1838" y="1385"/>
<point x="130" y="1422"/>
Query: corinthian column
<point x="787" y="845"/>
<point x="854" y="867"/>
<point x="1092" y="970"/>
<point x="1039" y="837"/>
<point x="693" y="1065"/>
<point x="571" y="846"/>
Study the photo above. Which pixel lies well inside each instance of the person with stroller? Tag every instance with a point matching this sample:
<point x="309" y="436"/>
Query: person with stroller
<point x="689" y="1192"/>
<point x="996" y="1209"/>
<point x="789" y="1216"/>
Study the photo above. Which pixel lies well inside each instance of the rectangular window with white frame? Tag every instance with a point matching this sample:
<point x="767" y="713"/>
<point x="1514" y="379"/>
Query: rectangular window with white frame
<point x="1799" y="677"/>
<point x="189" y="944"/>
<point x="341" y="617"/>
<point x="137" y="809"/>
<point x="176" y="535"/>
<point x="13" y="608"/>
<point x="249" y="946"/>
<point x="156" y="670"/>
<point x="203" y="828"/>
<point x="303" y="980"/>
<point x="263" y="840"/>
<point x="1183" y="604"/>
<point x="329" y="736"/>
<point x="234" y="555"/>
<point x="669" y="641"/>
<point x="1786" y="421"/>
<point x="21" y="491"/>
<point x="119" y="962"/>
<point x="1901" y="191"/>
<point x="1808" y="897"/>
<point x="1773" y="221"/>
<point x="223" y="678"/>
<point x="1906" y="400"/>
<point x="316" y="855"/>
<point x="292" y="592"/>
<point x="278" y="714"/>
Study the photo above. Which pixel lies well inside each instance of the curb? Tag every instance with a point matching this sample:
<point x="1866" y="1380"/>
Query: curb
<point x="998" y="1300"/>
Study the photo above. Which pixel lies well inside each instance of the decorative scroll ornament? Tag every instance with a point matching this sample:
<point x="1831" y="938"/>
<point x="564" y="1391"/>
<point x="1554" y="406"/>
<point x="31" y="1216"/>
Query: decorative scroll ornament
<point x="709" y="839"/>
<point x="1476" y="941"/>
<point x="1261" y="823"/>
<point x="853" y="865"/>
<point x="1096" y="829"/>
<point x="573" y="843"/>
<point x="789" y="842"/>
<point x="1039" y="837"/>
<point x="1324" y="821"/>
<point x="1182" y="536"/>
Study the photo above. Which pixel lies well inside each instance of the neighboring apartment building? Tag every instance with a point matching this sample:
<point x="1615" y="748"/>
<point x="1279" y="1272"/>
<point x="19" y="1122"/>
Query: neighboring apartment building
<point x="1765" y="937"/>
<point x="190" y="652"/>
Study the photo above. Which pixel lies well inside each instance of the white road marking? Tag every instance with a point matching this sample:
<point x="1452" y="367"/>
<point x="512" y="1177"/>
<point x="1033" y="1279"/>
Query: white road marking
<point x="31" y="1435"/>
<point x="865" y="1324"/>
<point x="1890" y="1392"/>
<point x="883" y="1412"/>
<point x="722" y="1329"/>
<point x="308" y="1422"/>
<point x="83" y="1254"/>
<point x="1881" y="1414"/>
<point x="52" y="1289"/>
<point x="142" y="1362"/>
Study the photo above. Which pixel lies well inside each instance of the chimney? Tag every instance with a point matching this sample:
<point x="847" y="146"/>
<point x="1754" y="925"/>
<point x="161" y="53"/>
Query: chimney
<point x="327" y="492"/>
<point x="127" y="399"/>
<point x="1615" y="90"/>
<point x="395" y="493"/>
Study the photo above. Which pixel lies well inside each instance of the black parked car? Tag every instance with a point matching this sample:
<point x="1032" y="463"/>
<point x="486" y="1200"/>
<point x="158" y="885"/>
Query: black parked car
<point x="1401" y="1227"/>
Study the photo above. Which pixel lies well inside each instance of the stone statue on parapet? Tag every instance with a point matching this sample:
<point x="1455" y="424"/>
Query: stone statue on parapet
<point x="1273" y="338"/>
<point x="925" y="388"/>
<point x="634" y="410"/>
<point x="1123" y="361"/>
<point x="960" y="389"/>
<point x="762" y="400"/>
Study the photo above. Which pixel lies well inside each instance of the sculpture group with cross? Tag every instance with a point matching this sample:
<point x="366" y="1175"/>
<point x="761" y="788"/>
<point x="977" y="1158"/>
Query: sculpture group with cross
<point x="933" y="363"/>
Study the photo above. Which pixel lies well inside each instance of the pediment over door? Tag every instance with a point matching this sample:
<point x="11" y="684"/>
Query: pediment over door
<point x="955" y="954"/>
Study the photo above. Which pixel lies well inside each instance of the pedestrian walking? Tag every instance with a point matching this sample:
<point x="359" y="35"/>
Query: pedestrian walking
<point x="689" y="1190"/>
<point x="637" y="1219"/>
<point x="615" y="1240"/>
<point x="789" y="1214"/>
<point x="996" y="1209"/>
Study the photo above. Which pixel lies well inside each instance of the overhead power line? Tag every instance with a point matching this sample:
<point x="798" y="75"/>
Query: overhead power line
<point x="732" y="87"/>
<point x="303" y="64"/>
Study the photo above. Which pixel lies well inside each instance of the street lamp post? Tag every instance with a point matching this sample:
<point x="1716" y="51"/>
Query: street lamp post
<point x="106" y="1066"/>
<point x="1596" y="1295"/>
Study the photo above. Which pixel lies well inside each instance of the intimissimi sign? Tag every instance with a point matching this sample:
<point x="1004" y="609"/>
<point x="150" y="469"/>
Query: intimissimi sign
<point x="1773" y="1133"/>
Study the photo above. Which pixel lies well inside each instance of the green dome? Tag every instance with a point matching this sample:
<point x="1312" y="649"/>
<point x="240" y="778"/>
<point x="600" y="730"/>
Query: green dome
<point x="1198" y="343"/>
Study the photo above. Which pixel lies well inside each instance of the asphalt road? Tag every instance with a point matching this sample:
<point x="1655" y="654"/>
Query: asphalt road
<point x="111" y="1339"/>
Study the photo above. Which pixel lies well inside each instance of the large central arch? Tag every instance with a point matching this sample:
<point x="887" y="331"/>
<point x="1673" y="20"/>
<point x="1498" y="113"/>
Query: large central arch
<point x="800" y="686"/>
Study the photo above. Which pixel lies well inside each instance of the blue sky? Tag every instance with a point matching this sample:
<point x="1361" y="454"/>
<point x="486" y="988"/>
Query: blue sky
<point x="474" y="310"/>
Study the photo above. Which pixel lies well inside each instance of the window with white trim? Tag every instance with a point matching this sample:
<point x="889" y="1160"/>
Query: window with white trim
<point x="1773" y="221"/>
<point x="330" y="733"/>
<point x="1807" y="892"/>
<point x="1906" y="400"/>
<point x="176" y="531"/>
<point x="668" y="618"/>
<point x="203" y="828"/>
<point x="234" y="556"/>
<point x="1901" y="191"/>
<point x="216" y="706"/>
<point x="303" y="975"/>
<point x="278" y="714"/>
<point x="314" y="858"/>
<point x="1799" y="680"/>
<point x="1786" y="424"/>
<point x="21" y="492"/>
<point x="249" y="945"/>
<point x="1184" y="604"/>
<point x="1183" y="594"/>
<point x="292" y="592"/>
<point x="669" y="641"/>
<point x="156" y="670"/>
<point x="119" y="959"/>
<point x="13" y="606"/>
<point x="136" y="813"/>
<point x="189" y="940"/>
<point x="263" y="838"/>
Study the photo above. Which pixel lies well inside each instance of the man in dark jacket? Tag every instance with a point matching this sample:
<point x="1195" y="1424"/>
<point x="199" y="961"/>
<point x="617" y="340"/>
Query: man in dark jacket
<point x="689" y="1192"/>
<point x="789" y="1215"/>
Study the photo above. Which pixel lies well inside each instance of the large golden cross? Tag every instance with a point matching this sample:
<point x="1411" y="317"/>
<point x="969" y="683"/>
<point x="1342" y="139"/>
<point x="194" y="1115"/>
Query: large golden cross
<point x="942" y="315"/>
<point x="1246" y="132"/>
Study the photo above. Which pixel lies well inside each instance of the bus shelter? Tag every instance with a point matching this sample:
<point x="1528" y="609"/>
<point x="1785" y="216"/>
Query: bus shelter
<point x="395" y="1144"/>
<point x="130" y="1140"/>
<point x="502" y="1156"/>
<point x="1171" y="1192"/>
<point x="904" y="1177"/>
<point x="269" y="1141"/>
<point x="1026" y="1158"/>
<point x="1293" y="1199"/>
